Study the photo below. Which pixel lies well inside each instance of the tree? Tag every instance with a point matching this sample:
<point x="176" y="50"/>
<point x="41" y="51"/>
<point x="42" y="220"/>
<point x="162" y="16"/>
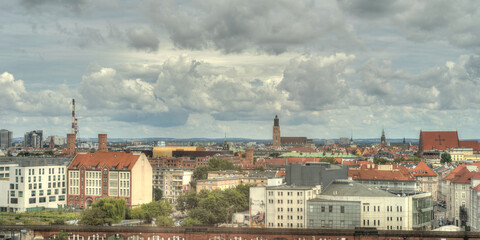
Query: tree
<point x="94" y="217"/>
<point x="445" y="158"/>
<point x="164" y="221"/>
<point x="380" y="160"/>
<point x="157" y="194"/>
<point x="114" y="209"/>
<point x="200" y="173"/>
<point x="189" y="222"/>
<point x="259" y="168"/>
<point x="154" y="210"/>
<point x="186" y="201"/>
<point x="202" y="215"/>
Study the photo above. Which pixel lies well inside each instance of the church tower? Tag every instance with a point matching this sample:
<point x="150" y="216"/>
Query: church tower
<point x="382" y="139"/>
<point x="276" y="133"/>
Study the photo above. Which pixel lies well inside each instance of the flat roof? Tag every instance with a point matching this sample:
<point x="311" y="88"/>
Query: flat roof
<point x="351" y="188"/>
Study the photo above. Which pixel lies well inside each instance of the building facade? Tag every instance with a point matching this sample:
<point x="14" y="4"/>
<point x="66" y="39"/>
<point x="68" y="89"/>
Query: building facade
<point x="30" y="184"/>
<point x="33" y="139"/>
<point x="172" y="182"/>
<point x="5" y="139"/>
<point x="92" y="176"/>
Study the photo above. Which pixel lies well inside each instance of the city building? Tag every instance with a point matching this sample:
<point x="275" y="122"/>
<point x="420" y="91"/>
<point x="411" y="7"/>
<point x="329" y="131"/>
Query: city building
<point x="94" y="175"/>
<point x="377" y="208"/>
<point x="383" y="141"/>
<point x="393" y="178"/>
<point x="172" y="181"/>
<point x="57" y="140"/>
<point x="167" y="151"/>
<point x="30" y="184"/>
<point x="427" y="179"/>
<point x="462" y="154"/>
<point x="280" y="206"/>
<point x="313" y="174"/>
<point x="5" y="139"/>
<point x="33" y="139"/>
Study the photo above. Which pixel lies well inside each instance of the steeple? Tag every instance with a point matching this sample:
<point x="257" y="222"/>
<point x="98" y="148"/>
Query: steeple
<point x="225" y="144"/>
<point x="382" y="139"/>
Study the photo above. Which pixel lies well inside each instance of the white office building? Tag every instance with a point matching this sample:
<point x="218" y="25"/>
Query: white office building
<point x="29" y="184"/>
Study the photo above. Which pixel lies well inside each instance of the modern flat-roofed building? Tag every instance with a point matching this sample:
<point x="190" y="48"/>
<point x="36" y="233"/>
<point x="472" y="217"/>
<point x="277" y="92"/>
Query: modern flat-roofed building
<point x="378" y="208"/>
<point x="29" y="184"/>
<point x="33" y="139"/>
<point x="92" y="176"/>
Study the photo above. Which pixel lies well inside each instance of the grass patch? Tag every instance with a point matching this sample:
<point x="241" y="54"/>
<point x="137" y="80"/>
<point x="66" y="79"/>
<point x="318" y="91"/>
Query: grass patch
<point x="44" y="217"/>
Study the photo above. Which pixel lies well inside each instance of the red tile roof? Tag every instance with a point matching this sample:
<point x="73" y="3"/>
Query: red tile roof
<point x="477" y="188"/>
<point x="438" y="140"/>
<point x="422" y="170"/>
<point x="119" y="160"/>
<point x="470" y="144"/>
<point x="371" y="172"/>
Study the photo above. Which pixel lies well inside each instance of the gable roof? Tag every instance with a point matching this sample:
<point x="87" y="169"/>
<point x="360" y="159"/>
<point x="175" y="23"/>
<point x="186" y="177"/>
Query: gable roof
<point x="438" y="140"/>
<point x="423" y="170"/>
<point x="470" y="144"/>
<point x="372" y="172"/>
<point x="117" y="160"/>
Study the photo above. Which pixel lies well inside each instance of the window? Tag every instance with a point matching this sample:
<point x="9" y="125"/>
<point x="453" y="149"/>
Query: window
<point x="33" y="194"/>
<point x="342" y="210"/>
<point x="330" y="208"/>
<point x="12" y="193"/>
<point x="323" y="208"/>
<point x="14" y="200"/>
<point x="32" y="200"/>
<point x="20" y="193"/>
<point x="42" y="199"/>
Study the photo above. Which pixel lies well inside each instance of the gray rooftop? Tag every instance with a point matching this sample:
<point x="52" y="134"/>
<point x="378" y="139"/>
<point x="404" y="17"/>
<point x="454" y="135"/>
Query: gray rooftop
<point x="351" y="188"/>
<point x="38" y="162"/>
<point x="289" y="187"/>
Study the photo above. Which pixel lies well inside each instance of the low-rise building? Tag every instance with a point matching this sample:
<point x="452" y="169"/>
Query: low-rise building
<point x="426" y="178"/>
<point x="92" y="176"/>
<point x="280" y="206"/>
<point x="29" y="184"/>
<point x="378" y="208"/>
<point x="393" y="178"/>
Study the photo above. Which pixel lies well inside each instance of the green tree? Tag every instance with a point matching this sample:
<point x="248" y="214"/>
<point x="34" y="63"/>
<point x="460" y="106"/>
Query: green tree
<point x="445" y="158"/>
<point x="164" y="221"/>
<point x="157" y="194"/>
<point x="200" y="173"/>
<point x="189" y="222"/>
<point x="186" y="201"/>
<point x="137" y="213"/>
<point x="380" y="160"/>
<point x="94" y="217"/>
<point x="259" y="168"/>
<point x="155" y="209"/>
<point x="114" y="209"/>
<point x="202" y="215"/>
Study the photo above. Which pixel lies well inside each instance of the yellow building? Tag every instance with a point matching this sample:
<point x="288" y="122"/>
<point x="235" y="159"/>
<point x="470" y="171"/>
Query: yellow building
<point x="166" y="151"/>
<point x="463" y="154"/>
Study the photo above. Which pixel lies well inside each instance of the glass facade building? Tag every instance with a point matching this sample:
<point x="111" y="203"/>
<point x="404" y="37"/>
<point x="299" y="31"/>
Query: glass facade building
<point x="333" y="214"/>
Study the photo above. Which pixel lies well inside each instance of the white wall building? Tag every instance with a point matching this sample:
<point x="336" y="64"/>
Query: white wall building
<point x="173" y="182"/>
<point x="33" y="183"/>
<point x="280" y="206"/>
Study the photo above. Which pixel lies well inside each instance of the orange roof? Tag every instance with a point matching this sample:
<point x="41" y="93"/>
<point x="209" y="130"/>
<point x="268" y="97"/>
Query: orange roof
<point x="438" y="140"/>
<point x="470" y="144"/>
<point x="371" y="172"/>
<point x="422" y="170"/>
<point x="119" y="160"/>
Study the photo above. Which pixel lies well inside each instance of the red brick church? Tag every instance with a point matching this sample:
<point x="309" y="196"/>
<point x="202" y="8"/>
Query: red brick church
<point x="431" y="143"/>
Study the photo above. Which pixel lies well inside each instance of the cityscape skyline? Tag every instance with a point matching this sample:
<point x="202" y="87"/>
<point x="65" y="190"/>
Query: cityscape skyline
<point x="190" y="69"/>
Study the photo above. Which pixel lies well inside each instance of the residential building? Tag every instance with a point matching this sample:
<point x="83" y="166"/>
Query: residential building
<point x="95" y="175"/>
<point x="33" y="139"/>
<point x="280" y="206"/>
<point x="172" y="181"/>
<point x="29" y="184"/>
<point x="426" y="178"/>
<point x="378" y="208"/>
<point x="462" y="154"/>
<point x="5" y="139"/>
<point x="390" y="177"/>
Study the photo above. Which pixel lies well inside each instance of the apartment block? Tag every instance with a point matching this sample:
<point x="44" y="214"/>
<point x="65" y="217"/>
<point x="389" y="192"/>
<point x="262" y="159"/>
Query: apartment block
<point x="172" y="182"/>
<point x="29" y="184"/>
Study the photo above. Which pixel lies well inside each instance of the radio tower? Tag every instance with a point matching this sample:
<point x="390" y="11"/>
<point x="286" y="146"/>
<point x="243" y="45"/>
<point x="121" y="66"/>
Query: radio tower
<point x="74" y="120"/>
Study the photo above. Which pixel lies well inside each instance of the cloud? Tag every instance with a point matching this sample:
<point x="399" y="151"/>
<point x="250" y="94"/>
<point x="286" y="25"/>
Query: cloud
<point x="317" y="82"/>
<point x="58" y="6"/>
<point x="422" y="21"/>
<point x="237" y="26"/>
<point x="143" y="38"/>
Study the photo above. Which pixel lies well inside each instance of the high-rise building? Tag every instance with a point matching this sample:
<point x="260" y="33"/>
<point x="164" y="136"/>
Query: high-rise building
<point x="5" y="139"/>
<point x="33" y="139"/>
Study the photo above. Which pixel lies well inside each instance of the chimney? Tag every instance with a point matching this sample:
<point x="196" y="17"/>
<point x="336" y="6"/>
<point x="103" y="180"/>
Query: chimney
<point x="102" y="143"/>
<point x="71" y="142"/>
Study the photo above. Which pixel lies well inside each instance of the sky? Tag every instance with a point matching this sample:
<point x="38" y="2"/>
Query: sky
<point x="206" y="68"/>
